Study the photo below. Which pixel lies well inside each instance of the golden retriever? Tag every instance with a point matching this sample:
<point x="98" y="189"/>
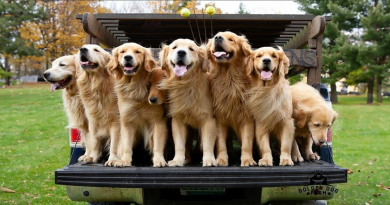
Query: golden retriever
<point x="140" y="119"/>
<point x="313" y="118"/>
<point x="270" y="103"/>
<point x="190" y="101"/>
<point x="96" y="87"/>
<point x="228" y="54"/>
<point x="63" y="75"/>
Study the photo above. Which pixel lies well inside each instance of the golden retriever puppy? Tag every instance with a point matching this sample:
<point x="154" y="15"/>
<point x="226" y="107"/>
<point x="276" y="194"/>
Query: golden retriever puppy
<point x="190" y="101"/>
<point x="96" y="87"/>
<point x="63" y="75"/>
<point x="228" y="54"/>
<point x="140" y="119"/>
<point x="313" y="118"/>
<point x="270" y="103"/>
<point x="156" y="95"/>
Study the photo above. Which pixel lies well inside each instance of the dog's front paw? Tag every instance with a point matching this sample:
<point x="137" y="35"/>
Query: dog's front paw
<point x="110" y="163"/>
<point x="159" y="162"/>
<point x="122" y="163"/>
<point x="286" y="161"/>
<point x="312" y="156"/>
<point x="297" y="159"/>
<point x="247" y="161"/>
<point x="82" y="158"/>
<point x="267" y="162"/>
<point x="209" y="161"/>
<point x="176" y="163"/>
<point x="222" y="161"/>
<point x="91" y="159"/>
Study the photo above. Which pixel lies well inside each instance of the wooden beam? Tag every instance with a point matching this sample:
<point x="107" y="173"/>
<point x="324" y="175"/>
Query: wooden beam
<point x="314" y="73"/>
<point x="95" y="29"/>
<point x="314" y="29"/>
<point x="229" y="17"/>
<point x="301" y="57"/>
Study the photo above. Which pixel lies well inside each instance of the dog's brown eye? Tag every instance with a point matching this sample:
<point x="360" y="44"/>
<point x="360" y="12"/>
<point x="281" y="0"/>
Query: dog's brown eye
<point x="174" y="47"/>
<point x="317" y="124"/>
<point x="230" y="39"/>
<point x="274" y="56"/>
<point x="122" y="51"/>
<point x="259" y="56"/>
<point x="137" y="52"/>
<point x="191" y="49"/>
<point x="96" y="50"/>
<point x="61" y="64"/>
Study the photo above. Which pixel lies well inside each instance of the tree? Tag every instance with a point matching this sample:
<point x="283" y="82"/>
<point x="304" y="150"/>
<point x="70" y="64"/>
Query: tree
<point x="242" y="9"/>
<point x="370" y="56"/>
<point x="377" y="50"/>
<point x="13" y="14"/>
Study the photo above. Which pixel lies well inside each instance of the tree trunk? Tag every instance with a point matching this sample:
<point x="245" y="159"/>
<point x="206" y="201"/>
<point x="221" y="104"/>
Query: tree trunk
<point x="370" y="92"/>
<point x="7" y="69"/>
<point x="333" y="93"/>
<point x="379" y="89"/>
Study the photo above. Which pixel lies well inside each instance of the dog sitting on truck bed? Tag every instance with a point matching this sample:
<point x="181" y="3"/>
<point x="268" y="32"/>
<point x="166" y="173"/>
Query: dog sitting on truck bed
<point x="313" y="118"/>
<point x="141" y="117"/>
<point x="189" y="98"/>
<point x="270" y="103"/>
<point x="228" y="54"/>
<point x="63" y="75"/>
<point x="96" y="87"/>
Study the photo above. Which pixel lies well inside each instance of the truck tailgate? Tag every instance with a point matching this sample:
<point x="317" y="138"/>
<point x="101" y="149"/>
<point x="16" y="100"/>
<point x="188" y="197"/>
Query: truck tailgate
<point x="96" y="175"/>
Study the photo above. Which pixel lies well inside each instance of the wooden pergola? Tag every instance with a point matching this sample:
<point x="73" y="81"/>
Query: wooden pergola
<point x="299" y="35"/>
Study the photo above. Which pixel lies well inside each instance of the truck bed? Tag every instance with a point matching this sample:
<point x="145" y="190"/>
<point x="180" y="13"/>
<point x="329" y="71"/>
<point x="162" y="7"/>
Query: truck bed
<point x="196" y="176"/>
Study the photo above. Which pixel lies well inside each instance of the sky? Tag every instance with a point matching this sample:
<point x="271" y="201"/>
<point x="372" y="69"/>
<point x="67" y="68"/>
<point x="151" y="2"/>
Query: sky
<point x="231" y="7"/>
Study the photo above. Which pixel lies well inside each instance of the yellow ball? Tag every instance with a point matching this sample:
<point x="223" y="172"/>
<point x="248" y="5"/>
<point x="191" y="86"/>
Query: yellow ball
<point x="210" y="10"/>
<point x="185" y="12"/>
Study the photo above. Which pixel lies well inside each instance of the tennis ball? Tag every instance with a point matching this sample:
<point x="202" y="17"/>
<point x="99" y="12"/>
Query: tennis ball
<point x="185" y="12"/>
<point x="210" y="10"/>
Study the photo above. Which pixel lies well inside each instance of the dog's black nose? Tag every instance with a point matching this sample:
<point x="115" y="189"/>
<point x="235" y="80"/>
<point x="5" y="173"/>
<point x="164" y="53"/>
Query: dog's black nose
<point x="266" y="60"/>
<point x="83" y="50"/>
<point x="321" y="141"/>
<point x="153" y="100"/>
<point x="181" y="53"/>
<point x="128" y="58"/>
<point x="218" y="38"/>
<point x="46" y="75"/>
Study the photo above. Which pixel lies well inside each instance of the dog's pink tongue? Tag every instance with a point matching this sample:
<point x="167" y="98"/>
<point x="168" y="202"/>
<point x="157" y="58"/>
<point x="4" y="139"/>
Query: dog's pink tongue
<point x="128" y="68"/>
<point x="266" y="74"/>
<point x="219" y="53"/>
<point x="84" y="63"/>
<point x="53" y="87"/>
<point x="180" y="70"/>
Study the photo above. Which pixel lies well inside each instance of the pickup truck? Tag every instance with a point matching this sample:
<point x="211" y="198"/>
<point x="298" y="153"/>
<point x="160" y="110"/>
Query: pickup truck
<point x="311" y="182"/>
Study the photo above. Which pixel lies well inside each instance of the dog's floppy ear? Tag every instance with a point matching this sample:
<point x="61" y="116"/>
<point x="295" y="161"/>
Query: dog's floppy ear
<point x="106" y="56"/>
<point x="208" y="49"/>
<point x="250" y="65"/>
<point x="284" y="62"/>
<point x="335" y="116"/>
<point x="245" y="47"/>
<point x="149" y="61"/>
<point x="203" y="61"/>
<point x="300" y="116"/>
<point x="113" y="64"/>
<point x="163" y="57"/>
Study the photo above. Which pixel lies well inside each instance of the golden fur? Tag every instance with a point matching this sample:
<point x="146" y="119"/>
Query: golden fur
<point x="97" y="95"/>
<point x="190" y="101"/>
<point x="270" y="103"/>
<point x="139" y="119"/>
<point x="63" y="75"/>
<point x="229" y="83"/>
<point x="313" y="118"/>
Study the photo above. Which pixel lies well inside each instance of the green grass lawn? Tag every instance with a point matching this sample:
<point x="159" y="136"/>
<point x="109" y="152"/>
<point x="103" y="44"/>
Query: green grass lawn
<point x="34" y="143"/>
<point x="361" y="139"/>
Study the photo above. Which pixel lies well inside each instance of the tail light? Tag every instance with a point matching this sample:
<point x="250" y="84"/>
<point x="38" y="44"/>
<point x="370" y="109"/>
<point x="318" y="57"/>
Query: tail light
<point x="75" y="136"/>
